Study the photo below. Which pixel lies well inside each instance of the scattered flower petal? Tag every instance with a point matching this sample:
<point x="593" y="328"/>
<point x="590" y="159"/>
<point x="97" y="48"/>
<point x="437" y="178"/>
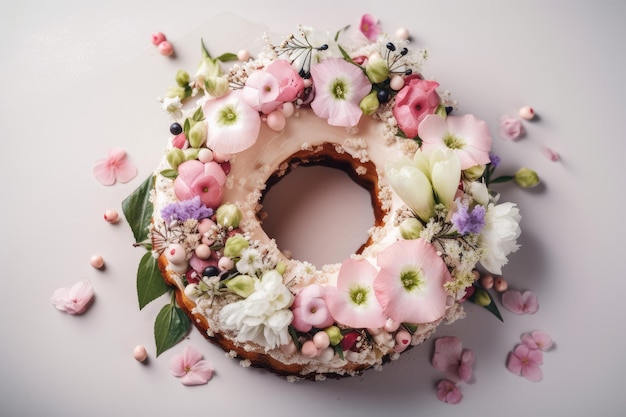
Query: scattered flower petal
<point x="511" y="128"/>
<point x="537" y="340"/>
<point x="74" y="300"/>
<point x="550" y="153"/>
<point x="525" y="361"/>
<point x="116" y="167"/>
<point x="190" y="367"/>
<point x="518" y="303"/>
<point x="448" y="392"/>
<point x="449" y="357"/>
<point x="369" y="27"/>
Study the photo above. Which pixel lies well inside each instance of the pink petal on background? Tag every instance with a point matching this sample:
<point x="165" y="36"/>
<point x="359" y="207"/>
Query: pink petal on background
<point x="447" y="354"/>
<point x="74" y="300"/>
<point x="116" y="167"/>
<point x="537" y="340"/>
<point x="525" y="362"/>
<point x="465" y="368"/>
<point x="518" y="303"/>
<point x="125" y="171"/>
<point x="448" y="392"/>
<point x="199" y="374"/>
<point x="104" y="172"/>
<point x="190" y="367"/>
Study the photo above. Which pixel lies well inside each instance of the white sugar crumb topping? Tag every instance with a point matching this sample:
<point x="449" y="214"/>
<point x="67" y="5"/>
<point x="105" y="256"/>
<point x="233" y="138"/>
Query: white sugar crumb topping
<point x="231" y="354"/>
<point x="361" y="170"/>
<point x="245" y="363"/>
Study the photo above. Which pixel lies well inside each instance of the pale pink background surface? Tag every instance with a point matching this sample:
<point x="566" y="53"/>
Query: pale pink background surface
<point x="78" y="79"/>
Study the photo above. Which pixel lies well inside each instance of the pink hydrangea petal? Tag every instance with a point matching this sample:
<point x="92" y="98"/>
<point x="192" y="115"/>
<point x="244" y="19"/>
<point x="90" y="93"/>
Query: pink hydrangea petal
<point x="116" y="155"/>
<point x="104" y="172"/>
<point x="535" y="356"/>
<point x="531" y="302"/>
<point x="512" y="301"/>
<point x="178" y="366"/>
<point x="540" y="340"/>
<point x="125" y="171"/>
<point x="59" y="298"/>
<point x="532" y="372"/>
<point x="191" y="355"/>
<point x="514" y="363"/>
<point x="199" y="374"/>
<point x="447" y="354"/>
<point x="448" y="392"/>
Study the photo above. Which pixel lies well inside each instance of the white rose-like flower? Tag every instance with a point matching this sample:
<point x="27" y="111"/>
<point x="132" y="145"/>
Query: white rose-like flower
<point x="264" y="316"/>
<point x="499" y="236"/>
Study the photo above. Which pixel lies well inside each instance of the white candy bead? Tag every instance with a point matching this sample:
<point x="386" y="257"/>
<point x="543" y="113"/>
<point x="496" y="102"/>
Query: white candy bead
<point x="205" y="155"/>
<point x="527" y="113"/>
<point x="396" y="83"/>
<point x="288" y="109"/>
<point x="402" y="34"/>
<point x="321" y="340"/>
<point x="203" y="251"/>
<point x="276" y="120"/>
<point x="243" y="55"/>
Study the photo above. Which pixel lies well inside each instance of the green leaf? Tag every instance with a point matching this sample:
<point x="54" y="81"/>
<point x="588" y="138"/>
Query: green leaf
<point x="169" y="173"/>
<point x="198" y="115"/>
<point x="346" y="56"/>
<point x="228" y="56"/>
<point x="478" y="298"/>
<point x="502" y="178"/>
<point x="150" y="283"/>
<point x="170" y="326"/>
<point x="138" y="209"/>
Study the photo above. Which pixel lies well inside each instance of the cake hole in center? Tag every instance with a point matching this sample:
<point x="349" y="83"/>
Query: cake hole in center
<point x="318" y="214"/>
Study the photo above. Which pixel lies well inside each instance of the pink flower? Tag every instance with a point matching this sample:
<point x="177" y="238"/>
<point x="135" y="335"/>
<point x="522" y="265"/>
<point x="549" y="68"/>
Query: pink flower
<point x="537" y="340"/>
<point x="414" y="101"/>
<point x="525" y="361"/>
<point x="200" y="179"/>
<point x="353" y="301"/>
<point x="190" y="367"/>
<point x="409" y="285"/>
<point x="74" y="300"/>
<point x="466" y="135"/>
<point x="310" y="310"/>
<point x="339" y="88"/>
<point x="448" y="392"/>
<point x="451" y="358"/>
<point x="261" y="89"/>
<point x="518" y="303"/>
<point x="289" y="82"/>
<point x="116" y="167"/>
<point x="369" y="27"/>
<point x="266" y="89"/>
<point x="233" y="125"/>
<point x="511" y="128"/>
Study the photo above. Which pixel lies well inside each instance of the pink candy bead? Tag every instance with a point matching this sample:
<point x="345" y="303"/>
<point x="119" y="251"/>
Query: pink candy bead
<point x="527" y="113"/>
<point x="165" y="48"/>
<point x="321" y="340"/>
<point x="157" y="38"/>
<point x="140" y="354"/>
<point x="97" y="261"/>
<point x="309" y="350"/>
<point x="276" y="121"/>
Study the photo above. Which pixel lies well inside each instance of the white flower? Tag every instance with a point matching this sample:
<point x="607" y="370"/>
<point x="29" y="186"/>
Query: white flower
<point x="250" y="262"/>
<point x="173" y="105"/>
<point x="499" y="236"/>
<point x="264" y="316"/>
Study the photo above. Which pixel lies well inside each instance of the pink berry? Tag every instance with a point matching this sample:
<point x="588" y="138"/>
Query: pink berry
<point x="243" y="55"/>
<point x="527" y="113"/>
<point x="97" y="261"/>
<point x="165" y="48"/>
<point x="157" y="38"/>
<point x="500" y="284"/>
<point x="111" y="216"/>
<point x="487" y="281"/>
<point x="309" y="350"/>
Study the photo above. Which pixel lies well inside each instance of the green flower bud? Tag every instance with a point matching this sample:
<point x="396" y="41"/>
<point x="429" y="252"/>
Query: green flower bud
<point x="334" y="334"/>
<point x="191" y="153"/>
<point x="182" y="78"/>
<point x="441" y="111"/>
<point x="216" y="86"/>
<point x="175" y="157"/>
<point x="281" y="267"/>
<point x="475" y="172"/>
<point x="228" y="215"/>
<point x="208" y="67"/>
<point x="481" y="298"/>
<point x="526" y="178"/>
<point x="369" y="104"/>
<point x="411" y="228"/>
<point x="377" y="70"/>
<point x="197" y="134"/>
<point x="235" y="245"/>
<point x="242" y="285"/>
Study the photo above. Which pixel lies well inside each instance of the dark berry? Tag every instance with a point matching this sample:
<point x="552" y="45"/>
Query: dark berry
<point x="408" y="72"/>
<point x="391" y="46"/>
<point x="404" y="51"/>
<point x="176" y="129"/>
<point x="210" y="271"/>
<point x="383" y="96"/>
<point x="323" y="47"/>
<point x="448" y="110"/>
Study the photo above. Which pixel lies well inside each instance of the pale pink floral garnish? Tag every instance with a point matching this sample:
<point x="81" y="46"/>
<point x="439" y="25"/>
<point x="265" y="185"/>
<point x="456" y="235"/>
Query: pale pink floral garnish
<point x="369" y="27"/>
<point x="525" y="361"/>
<point x="190" y="367"/>
<point x="450" y="357"/>
<point x="353" y="301"/>
<point x="520" y="303"/>
<point x="74" y="300"/>
<point x="310" y="310"/>
<point x="410" y="283"/>
<point x="339" y="88"/>
<point x="550" y="153"/>
<point x="204" y="180"/>
<point x="115" y="167"/>
<point x="466" y="135"/>
<point x="537" y="340"/>
<point x="266" y="89"/>
<point x="448" y="392"/>
<point x="233" y="125"/>
<point x="511" y="128"/>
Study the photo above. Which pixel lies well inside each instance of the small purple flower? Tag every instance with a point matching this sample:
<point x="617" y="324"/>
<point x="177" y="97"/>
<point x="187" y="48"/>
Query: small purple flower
<point x="495" y="160"/>
<point x="185" y="210"/>
<point x="469" y="221"/>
